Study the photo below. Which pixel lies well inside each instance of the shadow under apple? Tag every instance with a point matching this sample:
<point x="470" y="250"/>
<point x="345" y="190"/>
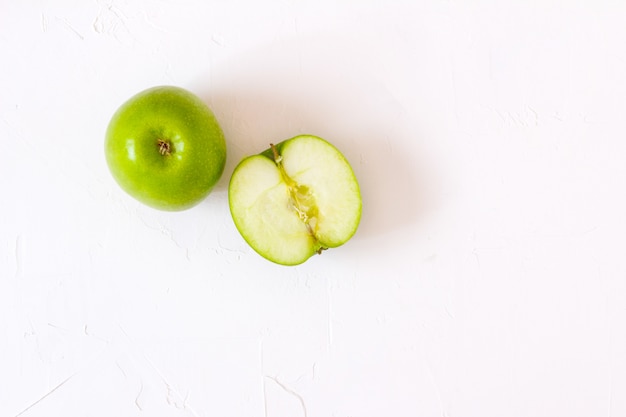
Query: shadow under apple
<point x="270" y="98"/>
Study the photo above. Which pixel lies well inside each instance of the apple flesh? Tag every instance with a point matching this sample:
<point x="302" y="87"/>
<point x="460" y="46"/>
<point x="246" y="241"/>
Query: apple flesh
<point x="165" y="148"/>
<point x="294" y="200"/>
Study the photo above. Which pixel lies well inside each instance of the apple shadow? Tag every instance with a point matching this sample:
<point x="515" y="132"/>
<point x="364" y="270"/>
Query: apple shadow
<point x="362" y="119"/>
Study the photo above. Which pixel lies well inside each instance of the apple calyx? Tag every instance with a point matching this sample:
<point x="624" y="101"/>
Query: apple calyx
<point x="165" y="147"/>
<point x="301" y="198"/>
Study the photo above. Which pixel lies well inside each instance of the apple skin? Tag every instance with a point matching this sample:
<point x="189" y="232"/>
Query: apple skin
<point x="165" y="148"/>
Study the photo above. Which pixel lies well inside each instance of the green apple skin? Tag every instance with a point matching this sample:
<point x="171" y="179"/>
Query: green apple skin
<point x="165" y="148"/>
<point x="305" y="171"/>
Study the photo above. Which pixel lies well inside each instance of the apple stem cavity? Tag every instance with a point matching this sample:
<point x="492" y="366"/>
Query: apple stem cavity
<point x="165" y="147"/>
<point x="303" y="201"/>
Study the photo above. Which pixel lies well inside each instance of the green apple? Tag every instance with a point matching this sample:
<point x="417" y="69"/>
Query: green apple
<point x="295" y="199"/>
<point x="165" y="148"/>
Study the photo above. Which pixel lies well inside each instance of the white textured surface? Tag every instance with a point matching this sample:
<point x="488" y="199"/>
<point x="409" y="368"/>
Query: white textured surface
<point x="487" y="277"/>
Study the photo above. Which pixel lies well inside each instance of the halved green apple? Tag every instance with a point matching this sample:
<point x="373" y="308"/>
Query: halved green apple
<point x="295" y="199"/>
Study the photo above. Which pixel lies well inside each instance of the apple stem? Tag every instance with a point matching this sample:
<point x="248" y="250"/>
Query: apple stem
<point x="277" y="157"/>
<point x="164" y="147"/>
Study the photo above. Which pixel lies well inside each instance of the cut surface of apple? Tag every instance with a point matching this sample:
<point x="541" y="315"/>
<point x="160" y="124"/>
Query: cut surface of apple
<point x="294" y="200"/>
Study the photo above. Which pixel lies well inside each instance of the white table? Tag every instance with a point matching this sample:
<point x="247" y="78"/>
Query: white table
<point x="487" y="277"/>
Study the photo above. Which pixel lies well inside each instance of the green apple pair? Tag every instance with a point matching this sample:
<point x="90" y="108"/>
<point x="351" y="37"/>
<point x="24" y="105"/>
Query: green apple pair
<point x="299" y="197"/>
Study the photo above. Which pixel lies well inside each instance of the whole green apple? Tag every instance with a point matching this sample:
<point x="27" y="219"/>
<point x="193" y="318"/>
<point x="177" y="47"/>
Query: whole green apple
<point x="165" y="148"/>
<point x="294" y="200"/>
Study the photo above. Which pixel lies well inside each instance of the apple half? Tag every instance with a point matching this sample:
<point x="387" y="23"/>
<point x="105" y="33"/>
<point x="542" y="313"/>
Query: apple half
<point x="295" y="199"/>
